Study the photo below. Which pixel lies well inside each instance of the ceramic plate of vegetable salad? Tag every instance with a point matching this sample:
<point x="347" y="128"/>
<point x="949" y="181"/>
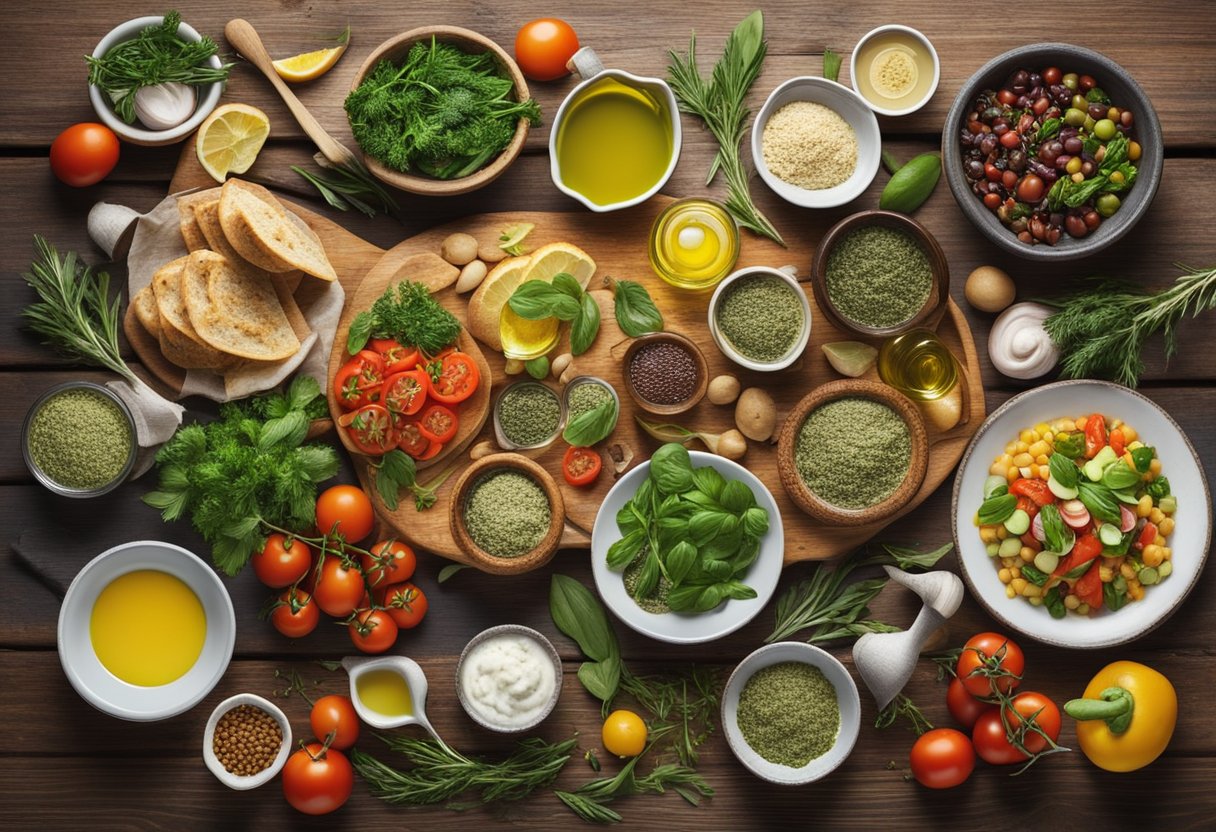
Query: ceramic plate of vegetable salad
<point x="1081" y="515"/>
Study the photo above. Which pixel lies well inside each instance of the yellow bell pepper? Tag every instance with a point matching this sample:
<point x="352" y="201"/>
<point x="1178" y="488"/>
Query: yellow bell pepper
<point x="1126" y="717"/>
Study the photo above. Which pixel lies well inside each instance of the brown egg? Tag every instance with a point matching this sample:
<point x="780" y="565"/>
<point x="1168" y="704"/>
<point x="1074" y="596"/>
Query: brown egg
<point x="989" y="289"/>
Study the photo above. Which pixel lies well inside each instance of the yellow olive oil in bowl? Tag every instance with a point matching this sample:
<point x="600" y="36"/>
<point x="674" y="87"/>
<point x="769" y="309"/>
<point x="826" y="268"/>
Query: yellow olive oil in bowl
<point x="614" y="142"/>
<point x="694" y="244"/>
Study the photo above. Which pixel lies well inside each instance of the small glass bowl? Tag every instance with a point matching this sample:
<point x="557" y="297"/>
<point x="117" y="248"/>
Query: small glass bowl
<point x="662" y="260"/>
<point x="499" y="434"/>
<point x="579" y="380"/>
<point x="42" y="476"/>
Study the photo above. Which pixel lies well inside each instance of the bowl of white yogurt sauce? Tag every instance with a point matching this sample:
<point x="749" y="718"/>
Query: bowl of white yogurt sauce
<point x="509" y="678"/>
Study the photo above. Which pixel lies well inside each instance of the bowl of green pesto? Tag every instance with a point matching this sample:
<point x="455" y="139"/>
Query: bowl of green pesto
<point x="852" y="452"/>
<point x="79" y="439"/>
<point x="791" y="713"/>
<point x="760" y="318"/>
<point x="879" y="273"/>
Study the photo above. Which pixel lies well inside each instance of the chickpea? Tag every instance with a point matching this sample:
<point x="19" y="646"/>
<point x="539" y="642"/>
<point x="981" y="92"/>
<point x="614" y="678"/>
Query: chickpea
<point x="1015" y="570"/>
<point x="1167" y="553"/>
<point x="1127" y="571"/>
<point x="1028" y="436"/>
<point x="1027" y="554"/>
<point x="1166" y="527"/>
<point x="1019" y="584"/>
<point x="1154" y="467"/>
<point x="1156" y="515"/>
<point x="1011" y="449"/>
<point x="1013" y="473"/>
<point x="988" y="534"/>
<point x="1023" y="459"/>
<point x="1001" y="532"/>
<point x="1072" y="602"/>
<point x="1032" y="591"/>
<point x="998" y="469"/>
<point x="1039" y="448"/>
<point x="1152" y="555"/>
<point x="1106" y="574"/>
<point x="1036" y="601"/>
<point x="1083" y="609"/>
<point x="1145" y="506"/>
<point x="1005" y="576"/>
<point x="1041" y="460"/>
<point x="1129" y="433"/>
<point x="1159" y="539"/>
<point x="1010" y="592"/>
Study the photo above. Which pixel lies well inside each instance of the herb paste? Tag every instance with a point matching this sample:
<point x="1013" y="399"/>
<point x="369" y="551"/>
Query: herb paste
<point x="507" y="513"/>
<point x="788" y="713"/>
<point x="529" y="414"/>
<point x="853" y="452"/>
<point x="761" y="317"/>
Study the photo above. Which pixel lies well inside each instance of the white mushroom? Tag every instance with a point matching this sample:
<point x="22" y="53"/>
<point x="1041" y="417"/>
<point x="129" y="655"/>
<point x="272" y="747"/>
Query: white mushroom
<point x="1019" y="346"/>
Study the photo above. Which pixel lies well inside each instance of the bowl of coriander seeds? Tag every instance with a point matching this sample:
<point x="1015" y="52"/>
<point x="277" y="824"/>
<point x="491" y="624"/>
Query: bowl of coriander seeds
<point x="246" y="742"/>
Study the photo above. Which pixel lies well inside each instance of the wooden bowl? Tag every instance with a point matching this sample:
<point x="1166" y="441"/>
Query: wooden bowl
<point x="670" y="338"/>
<point x="939" y="290"/>
<point x="482" y="559"/>
<point x="394" y="49"/>
<point x="824" y="511"/>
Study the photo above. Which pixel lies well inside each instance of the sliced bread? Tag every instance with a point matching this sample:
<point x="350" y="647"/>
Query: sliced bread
<point x="144" y="304"/>
<point x="235" y="310"/>
<point x="257" y="226"/>
<point x="179" y="342"/>
<point x="191" y="231"/>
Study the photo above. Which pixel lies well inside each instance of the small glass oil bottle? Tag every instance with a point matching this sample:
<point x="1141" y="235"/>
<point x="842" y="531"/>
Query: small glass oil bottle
<point x="523" y="339"/>
<point x="694" y="244"/>
<point x="918" y="365"/>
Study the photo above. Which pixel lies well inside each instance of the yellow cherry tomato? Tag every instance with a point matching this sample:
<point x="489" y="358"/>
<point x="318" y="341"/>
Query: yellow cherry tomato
<point x="624" y="734"/>
<point x="1126" y="717"/>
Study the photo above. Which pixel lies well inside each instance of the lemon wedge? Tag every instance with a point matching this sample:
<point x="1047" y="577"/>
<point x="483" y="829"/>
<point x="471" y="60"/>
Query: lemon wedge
<point x="554" y="258"/>
<point x="485" y="306"/>
<point x="308" y="65"/>
<point x="229" y="140"/>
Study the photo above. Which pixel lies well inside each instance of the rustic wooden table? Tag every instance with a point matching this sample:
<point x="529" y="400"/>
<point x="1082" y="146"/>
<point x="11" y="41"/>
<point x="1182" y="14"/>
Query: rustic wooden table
<point x="65" y="764"/>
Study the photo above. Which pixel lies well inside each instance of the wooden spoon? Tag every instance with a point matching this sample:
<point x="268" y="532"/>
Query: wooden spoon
<point x="244" y="38"/>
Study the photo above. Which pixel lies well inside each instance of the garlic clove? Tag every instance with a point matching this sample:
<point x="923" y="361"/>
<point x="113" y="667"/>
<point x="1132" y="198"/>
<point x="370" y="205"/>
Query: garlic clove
<point x="164" y="106"/>
<point x="1019" y="346"/>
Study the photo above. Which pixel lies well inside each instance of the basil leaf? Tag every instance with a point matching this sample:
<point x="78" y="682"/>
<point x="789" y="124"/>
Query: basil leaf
<point x="1100" y="502"/>
<point x="1063" y="470"/>
<point x="738" y="590"/>
<point x="627" y="520"/>
<point x="566" y="284"/>
<point x="705" y="526"/>
<point x="578" y="614"/>
<point x="1082" y="192"/>
<point x="700" y="499"/>
<point x="749" y="550"/>
<point x="1096" y="95"/>
<point x="648" y="576"/>
<point x="709" y="481"/>
<point x="593" y="426"/>
<point x="1118" y="476"/>
<point x="755" y="522"/>
<point x="1120" y="548"/>
<point x="1158" y="488"/>
<point x="694" y="598"/>
<point x="535" y="300"/>
<point x="1032" y="574"/>
<point x="1055" y="196"/>
<point x="635" y="311"/>
<point x="671" y="469"/>
<point x="997" y="509"/>
<point x="737" y="497"/>
<point x="601" y="679"/>
<point x="360" y="330"/>
<point x="679" y="562"/>
<point x="1070" y="445"/>
<point x="1112" y="597"/>
<point x="1078" y="571"/>
<point x="1054" y="601"/>
<point x="585" y="326"/>
<point x="1058" y="537"/>
<point x="538" y="368"/>
<point x="622" y="552"/>
<point x="1050" y="128"/>
<point x="1142" y="458"/>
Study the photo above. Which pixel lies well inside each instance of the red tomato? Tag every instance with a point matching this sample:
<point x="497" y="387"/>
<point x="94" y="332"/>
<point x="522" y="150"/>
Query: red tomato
<point x="84" y="154"/>
<point x="373" y="631"/>
<point x="339" y="590"/>
<point x="1035" y="489"/>
<point x="405" y="393"/>
<point x="397" y="359"/>
<point x="1089" y="586"/>
<point x="581" y="466"/>
<point x="391" y="562"/>
<point x="1029" y="506"/>
<point x="942" y="758"/>
<point x="346" y="509"/>
<point x="1046" y="716"/>
<point x="1083" y="551"/>
<point x="432" y="451"/>
<point x="278" y="565"/>
<point x="1118" y="443"/>
<point x="295" y="615"/>
<point x="316" y="780"/>
<point x="543" y="46"/>
<point x="359" y="380"/>
<point x="1147" y="535"/>
<point x="411" y="440"/>
<point x="964" y="707"/>
<point x="438" y="423"/>
<point x="972" y="662"/>
<point x="370" y="429"/>
<point x="1095" y="435"/>
<point x="406" y="604"/>
<point x="457" y="379"/>
<point x="991" y="742"/>
<point x="335" y="714"/>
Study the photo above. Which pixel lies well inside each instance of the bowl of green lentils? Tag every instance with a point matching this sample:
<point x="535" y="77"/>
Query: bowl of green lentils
<point x="79" y="439"/>
<point x="507" y="514"/>
<point x="879" y="273"/>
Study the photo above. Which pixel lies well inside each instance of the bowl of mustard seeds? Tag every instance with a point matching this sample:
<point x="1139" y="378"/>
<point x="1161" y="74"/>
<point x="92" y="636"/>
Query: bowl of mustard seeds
<point x="247" y="741"/>
<point x="79" y="439"/>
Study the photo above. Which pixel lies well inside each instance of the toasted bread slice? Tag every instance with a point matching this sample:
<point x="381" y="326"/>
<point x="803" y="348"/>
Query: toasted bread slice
<point x="208" y="215"/>
<point x="178" y="340"/>
<point x="257" y="226"/>
<point x="235" y="310"/>
<point x="191" y="232"/>
<point x="144" y="304"/>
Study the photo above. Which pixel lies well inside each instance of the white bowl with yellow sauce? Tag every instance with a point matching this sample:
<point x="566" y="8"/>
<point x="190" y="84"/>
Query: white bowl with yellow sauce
<point x="146" y="631"/>
<point x="894" y="69"/>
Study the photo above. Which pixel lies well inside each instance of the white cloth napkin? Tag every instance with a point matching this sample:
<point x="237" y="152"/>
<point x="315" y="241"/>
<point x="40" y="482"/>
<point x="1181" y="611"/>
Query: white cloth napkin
<point x="156" y="420"/>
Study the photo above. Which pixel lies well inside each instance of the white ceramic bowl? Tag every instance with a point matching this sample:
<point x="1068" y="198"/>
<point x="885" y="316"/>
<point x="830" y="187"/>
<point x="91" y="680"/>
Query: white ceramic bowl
<point x="549" y="651"/>
<point x="681" y="628"/>
<point x="924" y="41"/>
<point x="846" y="698"/>
<point x="105" y="691"/>
<point x="252" y="781"/>
<point x="728" y="349"/>
<point x="853" y="109"/>
<point x="1190" y="540"/>
<point x="206" y="98"/>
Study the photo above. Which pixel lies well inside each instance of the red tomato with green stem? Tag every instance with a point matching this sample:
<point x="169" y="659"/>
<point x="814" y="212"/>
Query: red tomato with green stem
<point x="370" y="429"/>
<point x="317" y="780"/>
<point x="397" y="358"/>
<point x="942" y="758"/>
<point x="335" y="714"/>
<point x="359" y="380"/>
<point x="295" y="614"/>
<point x="373" y="631"/>
<point x="456" y="379"/>
<point x="543" y="46"/>
<point x="406" y="603"/>
<point x="280" y="562"/>
<point x="345" y="509"/>
<point x="989" y="662"/>
<point x="389" y="562"/>
<point x="339" y="589"/>
<point x="84" y="154"/>
<point x="991" y="742"/>
<point x="1035" y="709"/>
<point x="963" y="707"/>
<point x="438" y="423"/>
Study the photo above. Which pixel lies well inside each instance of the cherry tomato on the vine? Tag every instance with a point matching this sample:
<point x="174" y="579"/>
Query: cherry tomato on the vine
<point x="347" y="508"/>
<point x="971" y="664"/>
<point x="391" y="562"/>
<point x="278" y="564"/>
<point x="339" y="590"/>
<point x="406" y="603"/>
<point x="317" y="780"/>
<point x="295" y="614"/>
<point x="991" y="742"/>
<point x="942" y="758"/>
<point x="373" y="631"/>
<point x="335" y="714"/>
<point x="1045" y="713"/>
<point x="964" y="707"/>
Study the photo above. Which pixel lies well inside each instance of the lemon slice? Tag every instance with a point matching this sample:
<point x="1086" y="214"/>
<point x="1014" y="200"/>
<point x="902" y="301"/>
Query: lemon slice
<point x="554" y="258"/>
<point x="485" y="306"/>
<point x="308" y="65"/>
<point x="229" y="140"/>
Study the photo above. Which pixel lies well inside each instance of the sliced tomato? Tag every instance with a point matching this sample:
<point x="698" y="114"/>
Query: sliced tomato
<point x="1086" y="549"/>
<point x="1118" y="443"/>
<point x="1034" y="489"/>
<point x="397" y="358"/>
<point x="404" y="393"/>
<point x="456" y="380"/>
<point x="1095" y="435"/>
<point x="1147" y="535"/>
<point x="438" y="423"/>
<point x="432" y="451"/>
<point x="370" y="428"/>
<point x="1089" y="587"/>
<point x="1028" y="505"/>
<point x="581" y="466"/>
<point x="410" y="438"/>
<point x="359" y="380"/>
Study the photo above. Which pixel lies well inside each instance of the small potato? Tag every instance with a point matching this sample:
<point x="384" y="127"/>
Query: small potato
<point x="756" y="414"/>
<point x="989" y="289"/>
<point x="558" y="365"/>
<point x="490" y="252"/>
<point x="723" y="389"/>
<point x="459" y="249"/>
<point x="471" y="276"/>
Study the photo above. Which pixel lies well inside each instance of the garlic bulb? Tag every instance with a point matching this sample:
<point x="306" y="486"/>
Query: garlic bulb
<point x="1019" y="346"/>
<point x="164" y="106"/>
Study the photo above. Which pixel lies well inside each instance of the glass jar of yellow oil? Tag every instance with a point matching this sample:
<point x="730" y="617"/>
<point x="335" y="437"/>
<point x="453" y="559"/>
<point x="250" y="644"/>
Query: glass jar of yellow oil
<point x="523" y="339"/>
<point x="918" y="365"/>
<point x="694" y="244"/>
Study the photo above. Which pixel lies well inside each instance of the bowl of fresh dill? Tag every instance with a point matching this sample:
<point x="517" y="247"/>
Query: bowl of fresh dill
<point x="440" y="110"/>
<point x="153" y="80"/>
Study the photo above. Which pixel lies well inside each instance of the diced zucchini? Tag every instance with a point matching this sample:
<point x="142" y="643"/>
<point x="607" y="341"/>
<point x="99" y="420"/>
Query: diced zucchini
<point x="1046" y="562"/>
<point x="1061" y="491"/>
<point x="1018" y="522"/>
<point x="1093" y="469"/>
<point x="993" y="549"/>
<point x="1109" y="534"/>
<point x="1009" y="547"/>
<point x="1148" y="576"/>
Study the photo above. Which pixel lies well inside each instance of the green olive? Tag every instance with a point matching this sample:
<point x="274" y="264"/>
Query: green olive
<point x="1074" y="117"/>
<point x="1089" y="124"/>
<point x="1105" y="129"/>
<point x="1107" y="205"/>
<point x="1079" y="102"/>
<point x="1070" y="80"/>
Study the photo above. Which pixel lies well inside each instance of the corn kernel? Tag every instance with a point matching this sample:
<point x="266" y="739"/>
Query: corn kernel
<point x="1041" y="428"/>
<point x="1019" y="584"/>
<point x="1035" y="601"/>
<point x="1016" y="569"/>
<point x="1149" y="477"/>
<point x="1013" y="473"/>
<point x="1065" y="426"/>
<point x="1072" y="602"/>
<point x="1155" y="515"/>
<point x="1023" y="459"/>
<point x="1041" y="460"/>
<point x="1005" y="576"/>
<point x="1155" y="466"/>
<point x="1166" y="526"/>
<point x="1127" y="571"/>
<point x="1127" y="459"/>
<point x="1027" y="436"/>
<point x="1145" y="506"/>
<point x="1032" y="591"/>
<point x="1159" y="539"/>
<point x="1083" y="609"/>
<point x="1152" y="555"/>
<point x="1010" y="592"/>
<point x="1022" y="447"/>
<point x="1106" y="574"/>
<point x="1135" y="591"/>
<point x="1044" y="473"/>
<point x="1011" y="448"/>
<point x="1048" y="436"/>
<point x="998" y="469"/>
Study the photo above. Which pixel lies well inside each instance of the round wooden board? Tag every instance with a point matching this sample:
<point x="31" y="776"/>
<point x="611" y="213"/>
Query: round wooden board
<point x="618" y="243"/>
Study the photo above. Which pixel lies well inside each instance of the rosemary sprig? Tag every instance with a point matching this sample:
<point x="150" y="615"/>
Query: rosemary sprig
<point x="719" y="102"/>
<point x="903" y="706"/>
<point x="587" y="801"/>
<point x="75" y="314"/>
<point x="683" y="706"/>
<point x="1101" y="330"/>
<point x="349" y="186"/>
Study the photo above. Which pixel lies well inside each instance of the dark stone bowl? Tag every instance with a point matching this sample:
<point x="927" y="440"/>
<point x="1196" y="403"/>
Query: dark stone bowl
<point x="1124" y="92"/>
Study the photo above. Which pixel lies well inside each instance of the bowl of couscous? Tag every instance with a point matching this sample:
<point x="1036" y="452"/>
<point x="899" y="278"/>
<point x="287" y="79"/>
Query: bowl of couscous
<point x="1082" y="516"/>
